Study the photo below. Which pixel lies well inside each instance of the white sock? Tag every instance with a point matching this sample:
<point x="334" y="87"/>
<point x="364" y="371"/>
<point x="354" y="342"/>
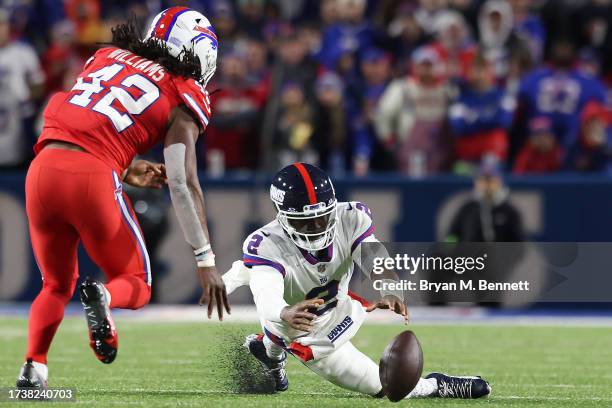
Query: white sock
<point x="273" y="351"/>
<point x="424" y="388"/>
<point x="41" y="369"/>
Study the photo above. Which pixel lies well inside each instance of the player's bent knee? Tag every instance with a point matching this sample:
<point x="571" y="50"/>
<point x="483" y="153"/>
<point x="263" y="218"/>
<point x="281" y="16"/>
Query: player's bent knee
<point x="142" y="297"/>
<point x="129" y="292"/>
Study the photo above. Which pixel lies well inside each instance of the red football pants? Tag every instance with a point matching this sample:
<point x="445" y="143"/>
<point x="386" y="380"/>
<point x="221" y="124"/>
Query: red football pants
<point x="72" y="196"/>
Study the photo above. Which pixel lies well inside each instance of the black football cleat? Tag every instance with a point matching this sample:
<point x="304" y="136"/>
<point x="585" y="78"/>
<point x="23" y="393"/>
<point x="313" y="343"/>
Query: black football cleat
<point x="460" y="387"/>
<point x="103" y="337"/>
<point x="276" y="369"/>
<point x="30" y="378"/>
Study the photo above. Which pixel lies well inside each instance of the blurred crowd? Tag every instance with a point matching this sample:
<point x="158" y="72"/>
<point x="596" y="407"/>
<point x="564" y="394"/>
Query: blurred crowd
<point x="418" y="87"/>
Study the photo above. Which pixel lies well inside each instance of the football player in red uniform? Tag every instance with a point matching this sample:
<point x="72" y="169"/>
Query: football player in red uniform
<point x="129" y="97"/>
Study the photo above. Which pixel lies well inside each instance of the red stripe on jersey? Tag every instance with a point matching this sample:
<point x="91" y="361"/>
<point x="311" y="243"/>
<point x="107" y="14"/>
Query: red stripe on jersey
<point x="165" y="21"/>
<point x="307" y="181"/>
<point x="302" y="352"/>
<point x="358" y="298"/>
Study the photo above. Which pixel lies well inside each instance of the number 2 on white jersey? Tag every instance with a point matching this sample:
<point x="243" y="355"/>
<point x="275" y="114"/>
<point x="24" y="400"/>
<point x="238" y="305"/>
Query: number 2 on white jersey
<point x="121" y="121"/>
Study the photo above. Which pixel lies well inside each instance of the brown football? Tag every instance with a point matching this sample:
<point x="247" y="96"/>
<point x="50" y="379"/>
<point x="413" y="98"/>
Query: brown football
<point x="401" y="366"/>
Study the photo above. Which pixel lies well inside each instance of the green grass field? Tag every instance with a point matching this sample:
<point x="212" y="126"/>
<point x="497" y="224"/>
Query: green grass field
<point x="185" y="364"/>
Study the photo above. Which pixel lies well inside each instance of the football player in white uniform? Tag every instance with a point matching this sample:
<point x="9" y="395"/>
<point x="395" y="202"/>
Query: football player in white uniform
<point x="298" y="268"/>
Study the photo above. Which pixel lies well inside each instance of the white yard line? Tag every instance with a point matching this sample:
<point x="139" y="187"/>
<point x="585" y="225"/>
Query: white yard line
<point x="573" y="399"/>
<point x="419" y="316"/>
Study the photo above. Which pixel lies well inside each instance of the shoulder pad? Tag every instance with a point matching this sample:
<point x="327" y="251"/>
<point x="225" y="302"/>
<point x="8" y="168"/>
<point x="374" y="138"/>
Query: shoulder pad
<point x="259" y="250"/>
<point x="358" y="220"/>
<point x="196" y="98"/>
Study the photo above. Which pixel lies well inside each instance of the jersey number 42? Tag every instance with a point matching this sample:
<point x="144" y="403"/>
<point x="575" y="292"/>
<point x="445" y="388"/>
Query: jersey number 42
<point x="92" y="85"/>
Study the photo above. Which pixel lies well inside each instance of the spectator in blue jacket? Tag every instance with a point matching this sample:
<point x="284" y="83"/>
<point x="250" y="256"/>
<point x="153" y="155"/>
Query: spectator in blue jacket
<point x="481" y="115"/>
<point x="560" y="93"/>
<point x="352" y="34"/>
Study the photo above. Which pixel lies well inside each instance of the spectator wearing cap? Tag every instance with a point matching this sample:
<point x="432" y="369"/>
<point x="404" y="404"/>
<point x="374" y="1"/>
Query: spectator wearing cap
<point x="21" y="83"/>
<point x="233" y="134"/>
<point x="454" y="44"/>
<point x="361" y="105"/>
<point x="489" y="216"/>
<point x="593" y="150"/>
<point x="541" y="153"/>
<point x="411" y="117"/>
<point x="481" y="115"/>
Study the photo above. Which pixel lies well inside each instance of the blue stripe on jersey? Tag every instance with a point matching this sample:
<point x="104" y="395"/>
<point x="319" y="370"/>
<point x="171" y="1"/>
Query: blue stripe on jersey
<point x="127" y="216"/>
<point x="251" y="260"/>
<point x="275" y="339"/>
<point x="363" y="236"/>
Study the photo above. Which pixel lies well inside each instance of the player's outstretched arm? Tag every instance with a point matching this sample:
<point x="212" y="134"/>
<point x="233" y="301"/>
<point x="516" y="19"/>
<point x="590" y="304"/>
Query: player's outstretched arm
<point x="188" y="201"/>
<point x="392" y="300"/>
<point x="393" y="303"/>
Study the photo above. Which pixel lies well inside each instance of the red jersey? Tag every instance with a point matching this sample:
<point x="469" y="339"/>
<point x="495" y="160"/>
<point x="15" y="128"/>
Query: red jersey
<point x="119" y="107"/>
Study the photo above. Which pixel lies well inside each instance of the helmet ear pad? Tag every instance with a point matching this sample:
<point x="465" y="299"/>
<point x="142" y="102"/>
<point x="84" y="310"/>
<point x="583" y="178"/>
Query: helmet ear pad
<point x="207" y="54"/>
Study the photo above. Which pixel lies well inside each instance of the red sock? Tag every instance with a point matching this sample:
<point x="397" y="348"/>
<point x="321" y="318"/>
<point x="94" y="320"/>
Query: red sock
<point x="46" y="314"/>
<point x="128" y="292"/>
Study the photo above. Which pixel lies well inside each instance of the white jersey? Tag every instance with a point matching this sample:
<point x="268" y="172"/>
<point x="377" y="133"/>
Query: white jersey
<point x="307" y="277"/>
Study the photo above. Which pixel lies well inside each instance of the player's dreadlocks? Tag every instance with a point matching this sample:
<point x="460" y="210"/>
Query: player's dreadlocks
<point x="127" y="37"/>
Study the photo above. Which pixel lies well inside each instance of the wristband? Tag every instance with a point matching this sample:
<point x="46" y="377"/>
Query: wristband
<point x="201" y="251"/>
<point x="204" y="257"/>
<point x="207" y="263"/>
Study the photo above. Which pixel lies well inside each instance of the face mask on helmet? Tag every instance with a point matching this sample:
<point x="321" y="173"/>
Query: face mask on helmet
<point x="180" y="29"/>
<point x="313" y="229"/>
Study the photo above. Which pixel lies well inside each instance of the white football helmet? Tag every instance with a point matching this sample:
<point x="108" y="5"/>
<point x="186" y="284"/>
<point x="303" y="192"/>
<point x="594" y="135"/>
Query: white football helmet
<point x="183" y="28"/>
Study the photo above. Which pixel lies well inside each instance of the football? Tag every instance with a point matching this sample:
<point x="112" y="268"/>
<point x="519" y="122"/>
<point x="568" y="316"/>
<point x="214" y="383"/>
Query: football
<point x="401" y="366"/>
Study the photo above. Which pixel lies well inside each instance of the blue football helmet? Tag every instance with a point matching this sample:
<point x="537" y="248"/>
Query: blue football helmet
<point x="305" y="199"/>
